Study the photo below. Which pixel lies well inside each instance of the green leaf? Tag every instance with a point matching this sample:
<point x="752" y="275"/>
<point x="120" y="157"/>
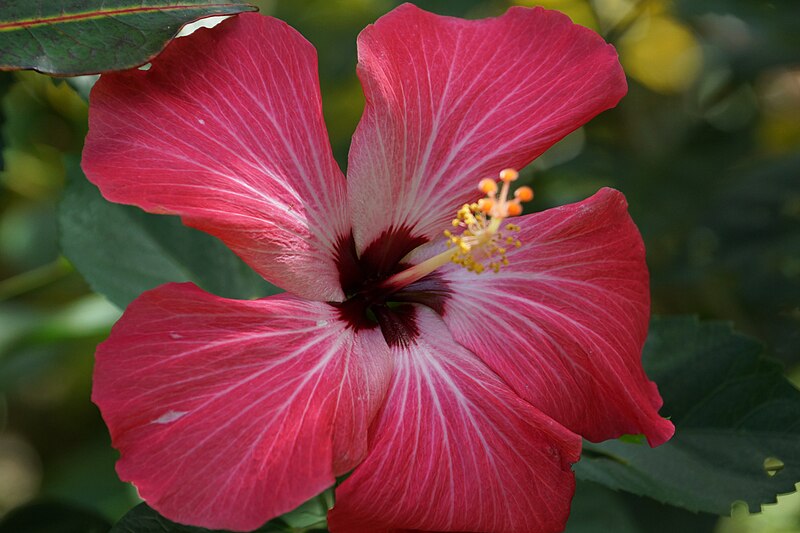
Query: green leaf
<point x="312" y="514"/>
<point x="735" y="415"/>
<point x="70" y="37"/>
<point x="52" y="517"/>
<point x="596" y="509"/>
<point x="143" y="519"/>
<point x="123" y="251"/>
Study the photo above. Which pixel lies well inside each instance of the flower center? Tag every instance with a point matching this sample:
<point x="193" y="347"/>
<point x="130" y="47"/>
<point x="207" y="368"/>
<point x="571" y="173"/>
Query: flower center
<point x="478" y="240"/>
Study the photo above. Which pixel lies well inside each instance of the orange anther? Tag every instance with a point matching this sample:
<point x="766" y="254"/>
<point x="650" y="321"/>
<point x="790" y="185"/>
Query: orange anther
<point x="524" y="194"/>
<point x="485" y="204"/>
<point x="487" y="186"/>
<point x="509" y="174"/>
<point x="514" y="209"/>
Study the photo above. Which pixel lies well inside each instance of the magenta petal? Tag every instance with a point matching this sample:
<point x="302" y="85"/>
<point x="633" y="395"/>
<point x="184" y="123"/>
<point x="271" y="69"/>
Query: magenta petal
<point x="450" y="101"/>
<point x="454" y="449"/>
<point x="228" y="413"/>
<point x="226" y="130"/>
<point x="565" y="322"/>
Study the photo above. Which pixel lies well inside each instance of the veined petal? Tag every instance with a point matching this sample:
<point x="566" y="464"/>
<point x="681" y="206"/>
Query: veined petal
<point x="450" y="101"/>
<point x="564" y="323"/>
<point x="226" y="130"/>
<point x="454" y="449"/>
<point x="228" y="413"/>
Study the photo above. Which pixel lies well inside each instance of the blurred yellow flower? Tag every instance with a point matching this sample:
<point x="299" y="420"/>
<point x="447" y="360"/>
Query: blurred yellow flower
<point x="661" y="53"/>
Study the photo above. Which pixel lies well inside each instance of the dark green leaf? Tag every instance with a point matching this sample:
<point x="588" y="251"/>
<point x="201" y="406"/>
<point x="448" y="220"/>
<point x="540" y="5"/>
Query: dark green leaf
<point x="143" y="519"/>
<point x="70" y="37"/>
<point x="595" y="509"/>
<point x="733" y="411"/>
<point x="123" y="251"/>
<point x="52" y="517"/>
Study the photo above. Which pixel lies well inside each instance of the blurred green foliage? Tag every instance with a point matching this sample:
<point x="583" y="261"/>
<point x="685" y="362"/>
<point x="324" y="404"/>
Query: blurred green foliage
<point x="706" y="146"/>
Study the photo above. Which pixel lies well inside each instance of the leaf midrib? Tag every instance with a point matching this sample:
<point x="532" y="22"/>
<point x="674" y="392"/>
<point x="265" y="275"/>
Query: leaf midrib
<point x="15" y="25"/>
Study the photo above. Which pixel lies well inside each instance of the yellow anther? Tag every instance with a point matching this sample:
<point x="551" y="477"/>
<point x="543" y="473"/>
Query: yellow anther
<point x="514" y="208"/>
<point x="487" y="186"/>
<point x="509" y="175"/>
<point x="524" y="194"/>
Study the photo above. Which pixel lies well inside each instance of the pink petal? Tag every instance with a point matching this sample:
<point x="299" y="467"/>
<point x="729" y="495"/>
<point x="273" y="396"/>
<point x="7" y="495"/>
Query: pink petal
<point x="228" y="413"/>
<point x="454" y="449"/>
<point x="226" y="130"/>
<point x="565" y="322"/>
<point x="450" y="101"/>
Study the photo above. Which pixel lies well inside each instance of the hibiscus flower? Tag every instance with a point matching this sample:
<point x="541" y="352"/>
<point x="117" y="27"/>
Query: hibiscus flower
<point x="455" y="400"/>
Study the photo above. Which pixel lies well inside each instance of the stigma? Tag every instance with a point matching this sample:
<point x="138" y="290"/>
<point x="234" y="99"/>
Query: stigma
<point x="484" y="240"/>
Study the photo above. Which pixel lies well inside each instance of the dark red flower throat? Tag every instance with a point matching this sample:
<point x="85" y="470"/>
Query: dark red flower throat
<point x="370" y="305"/>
